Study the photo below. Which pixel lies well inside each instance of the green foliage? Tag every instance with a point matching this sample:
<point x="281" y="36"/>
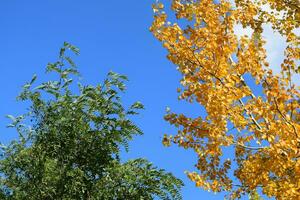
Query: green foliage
<point x="72" y="149"/>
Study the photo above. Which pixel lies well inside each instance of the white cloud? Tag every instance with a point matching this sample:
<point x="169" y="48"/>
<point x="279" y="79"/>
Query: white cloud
<point x="275" y="46"/>
<point x="240" y="31"/>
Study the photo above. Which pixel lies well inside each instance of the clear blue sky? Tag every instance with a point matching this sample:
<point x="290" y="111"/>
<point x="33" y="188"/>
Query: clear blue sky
<point x="112" y="35"/>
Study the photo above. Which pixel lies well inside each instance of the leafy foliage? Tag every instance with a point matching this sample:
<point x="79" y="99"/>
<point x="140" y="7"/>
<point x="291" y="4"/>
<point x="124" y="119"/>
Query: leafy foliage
<point x="262" y="130"/>
<point x="72" y="149"/>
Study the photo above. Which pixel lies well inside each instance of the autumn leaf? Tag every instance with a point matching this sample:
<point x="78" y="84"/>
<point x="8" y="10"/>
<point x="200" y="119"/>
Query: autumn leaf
<point x="264" y="130"/>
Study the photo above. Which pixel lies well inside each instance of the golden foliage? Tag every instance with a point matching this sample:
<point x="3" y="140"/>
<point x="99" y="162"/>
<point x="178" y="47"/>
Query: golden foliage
<point x="264" y="130"/>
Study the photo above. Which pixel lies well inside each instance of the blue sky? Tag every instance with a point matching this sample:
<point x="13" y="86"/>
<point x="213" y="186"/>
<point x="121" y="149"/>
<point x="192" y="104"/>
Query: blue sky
<point x="112" y="35"/>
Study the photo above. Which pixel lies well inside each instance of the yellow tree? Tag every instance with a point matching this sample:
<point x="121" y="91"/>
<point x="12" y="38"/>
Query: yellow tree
<point x="262" y="131"/>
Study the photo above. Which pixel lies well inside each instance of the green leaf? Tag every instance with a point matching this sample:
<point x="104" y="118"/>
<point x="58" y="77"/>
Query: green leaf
<point x="137" y="105"/>
<point x="40" y="87"/>
<point x="70" y="61"/>
<point x="73" y="48"/>
<point x="33" y="79"/>
<point x="11" y="117"/>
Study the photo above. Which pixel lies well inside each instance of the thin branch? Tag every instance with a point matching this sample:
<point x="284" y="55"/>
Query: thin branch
<point x="248" y="147"/>
<point x="281" y="114"/>
<point x="251" y="95"/>
<point x="240" y="100"/>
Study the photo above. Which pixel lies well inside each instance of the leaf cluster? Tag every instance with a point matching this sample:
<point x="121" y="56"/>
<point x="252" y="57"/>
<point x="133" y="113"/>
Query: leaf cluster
<point x="71" y="150"/>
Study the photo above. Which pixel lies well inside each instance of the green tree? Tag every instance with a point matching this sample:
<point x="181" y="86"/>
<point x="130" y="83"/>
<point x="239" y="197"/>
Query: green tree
<point x="72" y="148"/>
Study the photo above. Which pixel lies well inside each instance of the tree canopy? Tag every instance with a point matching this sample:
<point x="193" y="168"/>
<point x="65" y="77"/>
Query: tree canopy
<point x="223" y="72"/>
<point x="70" y="141"/>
